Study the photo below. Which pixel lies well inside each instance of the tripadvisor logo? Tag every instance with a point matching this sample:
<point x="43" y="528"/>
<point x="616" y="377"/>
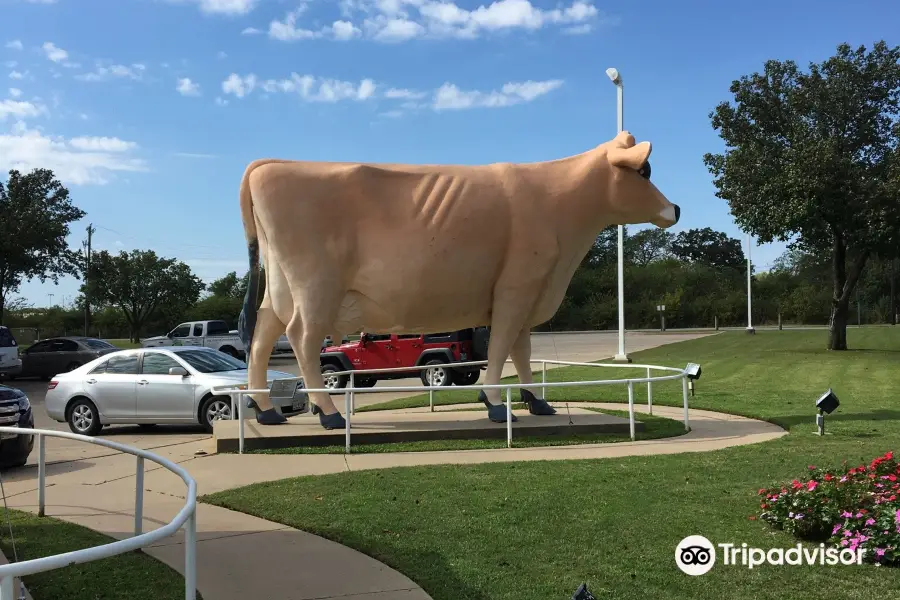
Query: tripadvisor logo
<point x="696" y="555"/>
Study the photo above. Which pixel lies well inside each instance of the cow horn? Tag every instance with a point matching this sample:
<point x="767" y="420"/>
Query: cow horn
<point x="633" y="157"/>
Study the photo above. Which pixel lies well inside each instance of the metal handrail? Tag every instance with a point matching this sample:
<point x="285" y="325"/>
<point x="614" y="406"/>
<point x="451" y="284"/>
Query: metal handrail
<point x="235" y="391"/>
<point x="186" y="517"/>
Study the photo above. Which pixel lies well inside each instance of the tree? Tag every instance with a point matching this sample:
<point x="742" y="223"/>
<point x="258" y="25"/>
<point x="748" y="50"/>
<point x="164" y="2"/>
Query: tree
<point x="228" y="286"/>
<point x="708" y="247"/>
<point x="811" y="159"/>
<point x="35" y="213"/>
<point x="648" y="245"/>
<point x="605" y="247"/>
<point x="141" y="285"/>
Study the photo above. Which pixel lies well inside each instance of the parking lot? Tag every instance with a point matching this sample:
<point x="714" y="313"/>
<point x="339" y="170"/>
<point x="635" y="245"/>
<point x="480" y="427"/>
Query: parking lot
<point x="572" y="347"/>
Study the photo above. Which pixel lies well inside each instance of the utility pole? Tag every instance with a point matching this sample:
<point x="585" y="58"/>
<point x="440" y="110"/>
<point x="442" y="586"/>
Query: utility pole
<point x="87" y="269"/>
<point x="51" y="300"/>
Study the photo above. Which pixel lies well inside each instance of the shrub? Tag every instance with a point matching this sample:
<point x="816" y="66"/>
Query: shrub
<point x="850" y="508"/>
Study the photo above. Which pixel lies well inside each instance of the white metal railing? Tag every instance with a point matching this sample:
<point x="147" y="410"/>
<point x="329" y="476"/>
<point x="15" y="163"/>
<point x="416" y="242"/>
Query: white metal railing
<point x="350" y="391"/>
<point x="186" y="517"/>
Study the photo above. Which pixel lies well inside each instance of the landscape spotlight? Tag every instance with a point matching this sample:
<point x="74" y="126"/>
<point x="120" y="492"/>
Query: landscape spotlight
<point x="693" y="371"/>
<point x="827" y="403"/>
<point x="582" y="593"/>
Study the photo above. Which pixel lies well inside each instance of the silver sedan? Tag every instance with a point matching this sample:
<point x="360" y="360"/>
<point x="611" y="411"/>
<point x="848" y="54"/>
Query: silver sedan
<point x="150" y="386"/>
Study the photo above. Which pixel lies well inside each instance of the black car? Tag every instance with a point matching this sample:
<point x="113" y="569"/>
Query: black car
<point x="15" y="411"/>
<point x="52" y="356"/>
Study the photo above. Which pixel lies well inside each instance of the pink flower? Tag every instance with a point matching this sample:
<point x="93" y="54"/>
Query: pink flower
<point x="870" y="521"/>
<point x="879" y="551"/>
<point x="811" y="485"/>
<point x="838" y="528"/>
<point x="847" y="515"/>
<point x="897" y="516"/>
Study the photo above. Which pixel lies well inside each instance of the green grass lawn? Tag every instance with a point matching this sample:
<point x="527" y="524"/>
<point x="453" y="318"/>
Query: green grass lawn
<point x="131" y="576"/>
<point x="656" y="427"/>
<point x="536" y="530"/>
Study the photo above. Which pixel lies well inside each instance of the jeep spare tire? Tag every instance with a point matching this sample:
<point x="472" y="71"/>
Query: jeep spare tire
<point x="437" y="375"/>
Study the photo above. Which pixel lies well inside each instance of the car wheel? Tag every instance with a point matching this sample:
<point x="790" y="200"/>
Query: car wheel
<point x="215" y="408"/>
<point x="437" y="375"/>
<point x="333" y="381"/>
<point x="84" y="419"/>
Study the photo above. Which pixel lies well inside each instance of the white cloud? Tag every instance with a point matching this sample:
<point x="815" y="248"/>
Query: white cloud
<point x="14" y="45"/>
<point x="15" y="92"/>
<point x="222" y="7"/>
<point x="308" y="87"/>
<point x="399" y="20"/>
<point x="104" y="72"/>
<point x="20" y="109"/>
<point x="404" y="93"/>
<point x="221" y="101"/>
<point x="250" y="31"/>
<point x="16" y="75"/>
<point x="54" y="53"/>
<point x="79" y="161"/>
<point x="102" y="144"/>
<point x="451" y="97"/>
<point x="186" y="87"/>
<point x="221" y="54"/>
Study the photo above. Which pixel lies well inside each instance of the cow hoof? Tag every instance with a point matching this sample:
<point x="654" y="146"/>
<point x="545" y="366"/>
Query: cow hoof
<point x="332" y="421"/>
<point x="536" y="406"/>
<point x="270" y="417"/>
<point x="496" y="412"/>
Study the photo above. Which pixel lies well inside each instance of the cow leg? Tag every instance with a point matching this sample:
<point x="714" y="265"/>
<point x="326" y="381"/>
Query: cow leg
<point x="268" y="328"/>
<point x="508" y="318"/>
<point x="306" y="339"/>
<point x="521" y="357"/>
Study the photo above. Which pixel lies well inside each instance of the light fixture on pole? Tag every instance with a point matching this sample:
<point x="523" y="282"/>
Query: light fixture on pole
<point x="749" y="311"/>
<point x="661" y="308"/>
<point x="826" y="403"/>
<point x="620" y="356"/>
<point x="693" y="372"/>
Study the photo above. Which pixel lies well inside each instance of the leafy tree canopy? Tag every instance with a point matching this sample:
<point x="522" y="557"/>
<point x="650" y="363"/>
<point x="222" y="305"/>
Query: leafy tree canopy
<point x="708" y="247"/>
<point x="142" y="284"/>
<point x="35" y="214"/>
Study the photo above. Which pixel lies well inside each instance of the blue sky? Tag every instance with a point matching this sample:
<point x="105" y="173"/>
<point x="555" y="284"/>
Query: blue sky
<point x="149" y="110"/>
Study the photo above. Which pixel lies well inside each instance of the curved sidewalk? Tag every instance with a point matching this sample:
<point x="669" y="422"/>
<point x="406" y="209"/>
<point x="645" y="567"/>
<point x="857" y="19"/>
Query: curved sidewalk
<point x="241" y="556"/>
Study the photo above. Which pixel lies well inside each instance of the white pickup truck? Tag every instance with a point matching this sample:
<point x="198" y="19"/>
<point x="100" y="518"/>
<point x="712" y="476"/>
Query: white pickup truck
<point x="212" y="334"/>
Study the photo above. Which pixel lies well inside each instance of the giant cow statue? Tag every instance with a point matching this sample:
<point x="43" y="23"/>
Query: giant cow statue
<point x="423" y="248"/>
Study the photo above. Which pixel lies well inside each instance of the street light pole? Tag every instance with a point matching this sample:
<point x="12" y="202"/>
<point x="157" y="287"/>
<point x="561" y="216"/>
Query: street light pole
<point x="749" y="311"/>
<point x="614" y="76"/>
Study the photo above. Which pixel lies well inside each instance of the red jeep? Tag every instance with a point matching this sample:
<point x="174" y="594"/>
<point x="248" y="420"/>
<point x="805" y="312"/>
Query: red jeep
<point x="385" y="351"/>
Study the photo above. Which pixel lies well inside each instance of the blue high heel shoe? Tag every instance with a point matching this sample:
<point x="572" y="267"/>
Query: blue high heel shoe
<point x="332" y="421"/>
<point x="536" y="406"/>
<point x="266" y="417"/>
<point x="496" y="412"/>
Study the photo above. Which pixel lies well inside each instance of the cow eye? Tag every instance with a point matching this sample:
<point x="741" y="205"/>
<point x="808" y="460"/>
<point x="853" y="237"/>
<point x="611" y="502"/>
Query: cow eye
<point x="644" y="171"/>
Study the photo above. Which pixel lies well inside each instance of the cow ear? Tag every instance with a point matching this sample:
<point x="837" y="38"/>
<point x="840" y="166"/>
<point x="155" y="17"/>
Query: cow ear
<point x="633" y="157"/>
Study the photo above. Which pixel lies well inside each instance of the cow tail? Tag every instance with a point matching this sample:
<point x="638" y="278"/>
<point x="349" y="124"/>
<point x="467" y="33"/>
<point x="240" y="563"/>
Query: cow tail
<point x="247" y="319"/>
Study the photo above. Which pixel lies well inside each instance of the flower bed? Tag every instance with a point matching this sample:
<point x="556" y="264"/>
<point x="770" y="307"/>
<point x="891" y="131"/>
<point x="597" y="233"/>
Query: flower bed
<point x="850" y="508"/>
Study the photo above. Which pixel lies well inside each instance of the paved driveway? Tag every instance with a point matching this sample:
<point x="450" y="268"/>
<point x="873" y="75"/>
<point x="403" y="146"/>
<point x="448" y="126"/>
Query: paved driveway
<point x="581" y="347"/>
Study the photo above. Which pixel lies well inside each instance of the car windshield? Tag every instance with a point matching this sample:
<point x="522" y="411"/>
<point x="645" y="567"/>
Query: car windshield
<point x="210" y="361"/>
<point x="97" y="344"/>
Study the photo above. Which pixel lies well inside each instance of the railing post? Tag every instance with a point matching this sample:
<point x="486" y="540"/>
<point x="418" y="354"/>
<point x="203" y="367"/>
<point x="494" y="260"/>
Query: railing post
<point x="7" y="588"/>
<point x="352" y="410"/>
<point x="631" y="409"/>
<point x="509" y="417"/>
<point x="190" y="556"/>
<point x="544" y="379"/>
<point x="431" y="399"/>
<point x="240" y="412"/>
<point x="684" y="391"/>
<point x="649" y="392"/>
<point x="139" y="496"/>
<point x="42" y="475"/>
<point x="347" y="422"/>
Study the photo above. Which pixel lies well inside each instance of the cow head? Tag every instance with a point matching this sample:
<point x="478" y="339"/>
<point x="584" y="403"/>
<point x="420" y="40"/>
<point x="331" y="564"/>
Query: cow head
<point x="633" y="199"/>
